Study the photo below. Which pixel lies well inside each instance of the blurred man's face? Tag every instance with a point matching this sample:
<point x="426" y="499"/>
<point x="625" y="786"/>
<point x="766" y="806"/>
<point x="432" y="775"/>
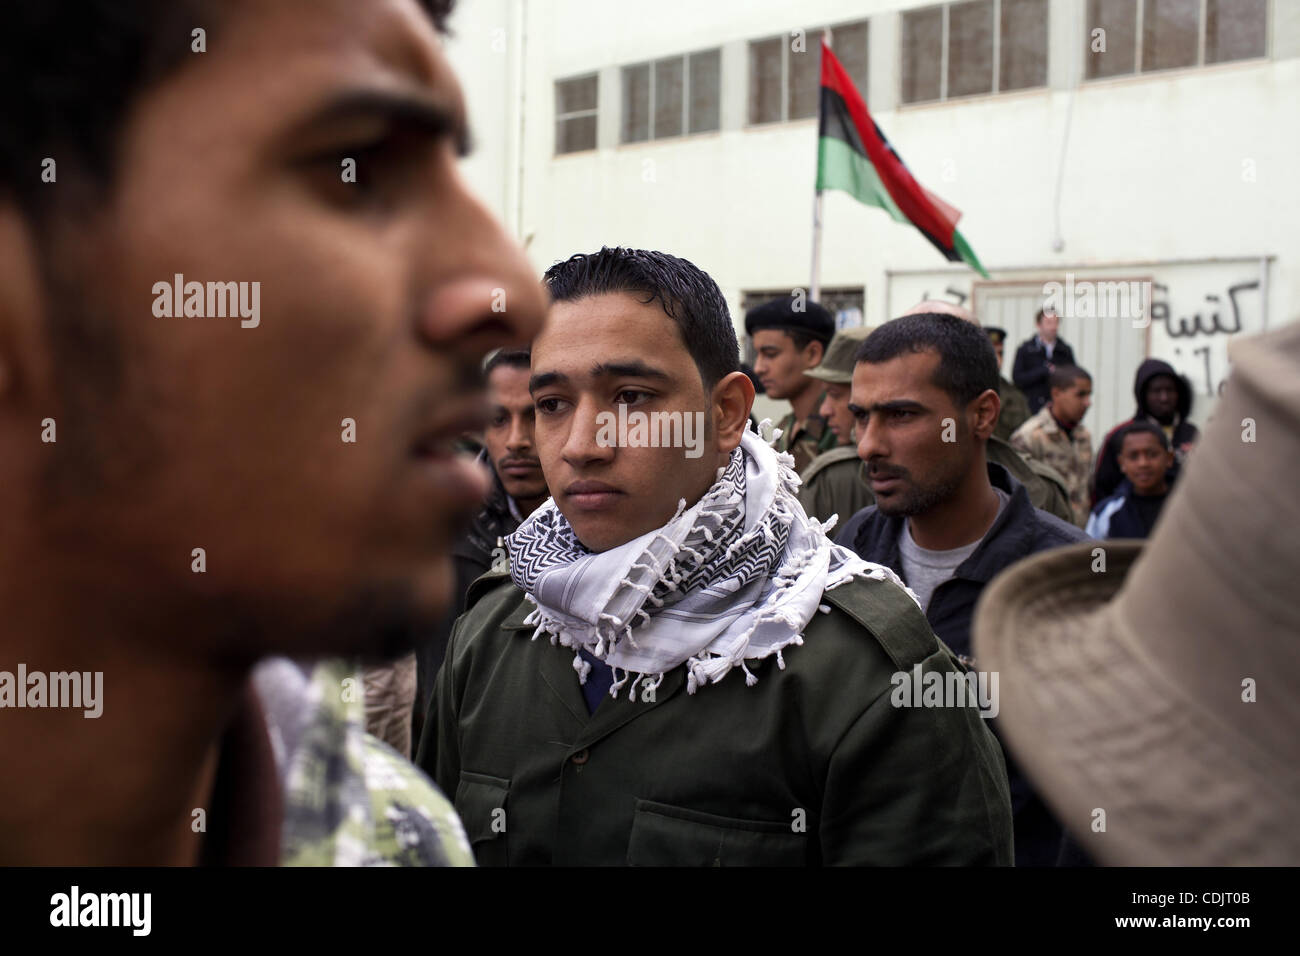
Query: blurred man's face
<point x="594" y="355"/>
<point x="1048" y="326"/>
<point x="835" y="409"/>
<point x="1162" y="397"/>
<point x="902" y="420"/>
<point x="309" y="456"/>
<point x="1144" y="462"/>
<point x="997" y="350"/>
<point x="509" y="435"/>
<point x="1069" y="405"/>
<point x="780" y="365"/>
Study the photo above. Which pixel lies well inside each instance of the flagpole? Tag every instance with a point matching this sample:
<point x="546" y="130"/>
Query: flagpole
<point x="814" y="287"/>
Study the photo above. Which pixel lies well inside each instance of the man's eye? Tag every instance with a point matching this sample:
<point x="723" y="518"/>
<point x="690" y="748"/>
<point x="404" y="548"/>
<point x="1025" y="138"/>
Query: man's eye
<point x="498" y="421"/>
<point x="637" y="396"/>
<point x="548" y="406"/>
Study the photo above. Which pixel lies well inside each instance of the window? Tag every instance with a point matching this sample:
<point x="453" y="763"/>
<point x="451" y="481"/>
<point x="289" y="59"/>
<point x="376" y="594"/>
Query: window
<point x="575" y="114"/>
<point x="1142" y="36"/>
<point x="973" y="47"/>
<point x="672" y="96"/>
<point x="785" y="71"/>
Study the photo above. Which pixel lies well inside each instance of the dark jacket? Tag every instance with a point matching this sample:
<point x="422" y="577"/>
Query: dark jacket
<point x="1030" y="372"/>
<point x="1119" y="516"/>
<point x="813" y="764"/>
<point x="1107" y="476"/>
<point x="473" y="555"/>
<point x="1019" y="531"/>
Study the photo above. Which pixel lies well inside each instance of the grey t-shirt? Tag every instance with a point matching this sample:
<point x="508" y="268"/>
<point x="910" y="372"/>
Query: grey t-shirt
<point x="925" y="570"/>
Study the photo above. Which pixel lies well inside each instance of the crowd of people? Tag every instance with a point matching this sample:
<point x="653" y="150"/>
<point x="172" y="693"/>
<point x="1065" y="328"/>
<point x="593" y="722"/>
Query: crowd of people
<point x="911" y="622"/>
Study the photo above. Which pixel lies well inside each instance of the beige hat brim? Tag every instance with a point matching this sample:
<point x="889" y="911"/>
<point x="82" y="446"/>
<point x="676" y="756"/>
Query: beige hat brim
<point x="826" y="375"/>
<point x="1097" y="725"/>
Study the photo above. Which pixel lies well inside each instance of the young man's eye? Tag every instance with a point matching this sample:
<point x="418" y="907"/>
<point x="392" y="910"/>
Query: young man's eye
<point x="632" y="396"/>
<point x="498" y="421"/>
<point x="548" y="406"/>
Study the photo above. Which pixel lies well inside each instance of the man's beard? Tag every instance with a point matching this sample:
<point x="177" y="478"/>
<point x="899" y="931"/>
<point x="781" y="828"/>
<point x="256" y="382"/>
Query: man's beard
<point x="914" y="498"/>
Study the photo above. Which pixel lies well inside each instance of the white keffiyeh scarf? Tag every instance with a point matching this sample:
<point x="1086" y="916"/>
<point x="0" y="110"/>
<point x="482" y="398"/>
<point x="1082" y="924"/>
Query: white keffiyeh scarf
<point x="736" y="577"/>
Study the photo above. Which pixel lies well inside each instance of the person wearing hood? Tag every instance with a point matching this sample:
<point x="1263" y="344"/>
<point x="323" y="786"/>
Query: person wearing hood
<point x="1163" y="397"/>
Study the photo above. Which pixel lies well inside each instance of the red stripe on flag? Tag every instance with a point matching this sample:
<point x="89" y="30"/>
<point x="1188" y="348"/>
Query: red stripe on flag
<point x="929" y="213"/>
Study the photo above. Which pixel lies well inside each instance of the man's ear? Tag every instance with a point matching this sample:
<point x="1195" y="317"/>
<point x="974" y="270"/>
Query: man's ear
<point x="813" y="353"/>
<point x="730" y="403"/>
<point x="984" y="411"/>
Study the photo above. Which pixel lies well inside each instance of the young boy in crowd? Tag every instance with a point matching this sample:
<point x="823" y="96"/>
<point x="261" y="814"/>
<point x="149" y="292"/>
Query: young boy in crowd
<point x="1145" y="459"/>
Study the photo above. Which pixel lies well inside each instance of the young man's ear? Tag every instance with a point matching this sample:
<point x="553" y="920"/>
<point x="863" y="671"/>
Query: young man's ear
<point x="813" y="353"/>
<point x="731" y="401"/>
<point x="984" y="411"/>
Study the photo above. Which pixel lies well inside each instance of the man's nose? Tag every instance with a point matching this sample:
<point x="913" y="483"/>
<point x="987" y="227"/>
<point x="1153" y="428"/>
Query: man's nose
<point x="871" y="440"/>
<point x="484" y="294"/>
<point x="586" y="442"/>
<point x="826" y="409"/>
<point x="520" y="437"/>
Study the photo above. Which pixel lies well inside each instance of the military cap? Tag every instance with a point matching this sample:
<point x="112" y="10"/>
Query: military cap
<point x="781" y="314"/>
<point x="837" y="364"/>
<point x="996" y="335"/>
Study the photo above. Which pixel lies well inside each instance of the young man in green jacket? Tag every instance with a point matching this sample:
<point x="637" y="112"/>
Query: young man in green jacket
<point x="680" y="667"/>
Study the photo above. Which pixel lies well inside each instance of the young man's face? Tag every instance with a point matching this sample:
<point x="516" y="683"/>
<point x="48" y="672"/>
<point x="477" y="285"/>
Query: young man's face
<point x="1162" y="397"/>
<point x="902" y="420"/>
<point x="595" y="354"/>
<point x="835" y="409"/>
<point x="509" y="435"/>
<point x="1069" y="405"/>
<point x="310" y="456"/>
<point x="780" y="365"/>
<point x="1144" y="462"/>
<point x="1048" y="326"/>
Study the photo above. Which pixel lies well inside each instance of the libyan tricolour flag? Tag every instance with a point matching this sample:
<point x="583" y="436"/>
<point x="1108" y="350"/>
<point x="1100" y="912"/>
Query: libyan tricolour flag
<point x="854" y="156"/>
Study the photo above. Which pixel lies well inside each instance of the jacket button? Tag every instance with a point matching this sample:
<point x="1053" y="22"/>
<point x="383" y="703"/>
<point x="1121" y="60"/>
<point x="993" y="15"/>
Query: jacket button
<point x="581" y="757"/>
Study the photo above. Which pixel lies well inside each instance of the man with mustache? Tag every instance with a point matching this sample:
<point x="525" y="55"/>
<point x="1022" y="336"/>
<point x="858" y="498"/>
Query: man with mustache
<point x="518" y="489"/>
<point x="679" y="667"/>
<point x="185" y="494"/>
<point x="946" y="519"/>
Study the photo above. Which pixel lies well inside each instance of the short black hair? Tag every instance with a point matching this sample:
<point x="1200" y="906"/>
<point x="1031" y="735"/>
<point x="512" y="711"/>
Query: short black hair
<point x="968" y="366"/>
<point x="1038" y="318"/>
<point x="684" y="291"/>
<point x="70" y="72"/>
<point x="1064" y="376"/>
<point x="1141" y="427"/>
<point x="514" y="358"/>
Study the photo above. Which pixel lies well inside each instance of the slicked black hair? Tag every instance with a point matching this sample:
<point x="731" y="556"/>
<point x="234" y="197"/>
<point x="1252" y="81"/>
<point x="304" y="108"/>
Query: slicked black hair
<point x="1141" y="427"/>
<point x="70" y="71"/>
<point x="968" y="366"/>
<point x="1064" y="376"/>
<point x="514" y="358"/>
<point x="685" y="292"/>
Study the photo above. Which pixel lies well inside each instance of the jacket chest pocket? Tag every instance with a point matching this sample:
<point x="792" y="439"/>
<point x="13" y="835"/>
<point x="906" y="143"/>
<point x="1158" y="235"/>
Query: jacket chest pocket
<point x="664" y="835"/>
<point x="481" y="803"/>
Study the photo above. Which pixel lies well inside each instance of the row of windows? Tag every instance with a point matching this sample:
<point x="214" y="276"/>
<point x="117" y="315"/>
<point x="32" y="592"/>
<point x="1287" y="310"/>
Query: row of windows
<point x="951" y="50"/>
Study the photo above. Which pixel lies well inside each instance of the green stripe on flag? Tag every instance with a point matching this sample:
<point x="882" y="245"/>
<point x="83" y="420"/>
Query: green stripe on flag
<point x="840" y="166"/>
<point x="967" y="253"/>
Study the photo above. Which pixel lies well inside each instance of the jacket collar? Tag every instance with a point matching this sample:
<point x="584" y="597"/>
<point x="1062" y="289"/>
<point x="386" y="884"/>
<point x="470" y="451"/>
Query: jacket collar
<point x="1010" y="538"/>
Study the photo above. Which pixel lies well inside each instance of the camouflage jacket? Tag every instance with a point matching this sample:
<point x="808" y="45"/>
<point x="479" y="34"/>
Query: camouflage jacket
<point x="834" y="485"/>
<point x="1042" y="439"/>
<point x="348" y="798"/>
<point x="806" y="443"/>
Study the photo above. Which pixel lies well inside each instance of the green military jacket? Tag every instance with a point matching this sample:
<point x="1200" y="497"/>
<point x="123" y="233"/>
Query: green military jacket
<point x="807" y="443"/>
<point x="811" y="765"/>
<point x="834" y="485"/>
<point x="1046" y="488"/>
<point x="1015" y="409"/>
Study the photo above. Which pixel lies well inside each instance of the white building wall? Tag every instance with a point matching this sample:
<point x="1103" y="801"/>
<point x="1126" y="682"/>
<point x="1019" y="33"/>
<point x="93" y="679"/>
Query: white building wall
<point x="1185" y="177"/>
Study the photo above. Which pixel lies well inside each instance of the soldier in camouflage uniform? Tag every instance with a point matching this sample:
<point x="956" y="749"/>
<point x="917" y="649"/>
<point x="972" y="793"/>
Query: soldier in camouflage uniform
<point x="834" y="484"/>
<point x="1055" y="437"/>
<point x="1015" y="407"/>
<point x="790" y="337"/>
<point x="348" y="798"/>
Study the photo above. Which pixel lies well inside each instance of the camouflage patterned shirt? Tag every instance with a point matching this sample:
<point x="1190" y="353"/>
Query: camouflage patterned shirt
<point x="1042" y="439"/>
<point x="349" y="799"/>
<point x="805" y="443"/>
